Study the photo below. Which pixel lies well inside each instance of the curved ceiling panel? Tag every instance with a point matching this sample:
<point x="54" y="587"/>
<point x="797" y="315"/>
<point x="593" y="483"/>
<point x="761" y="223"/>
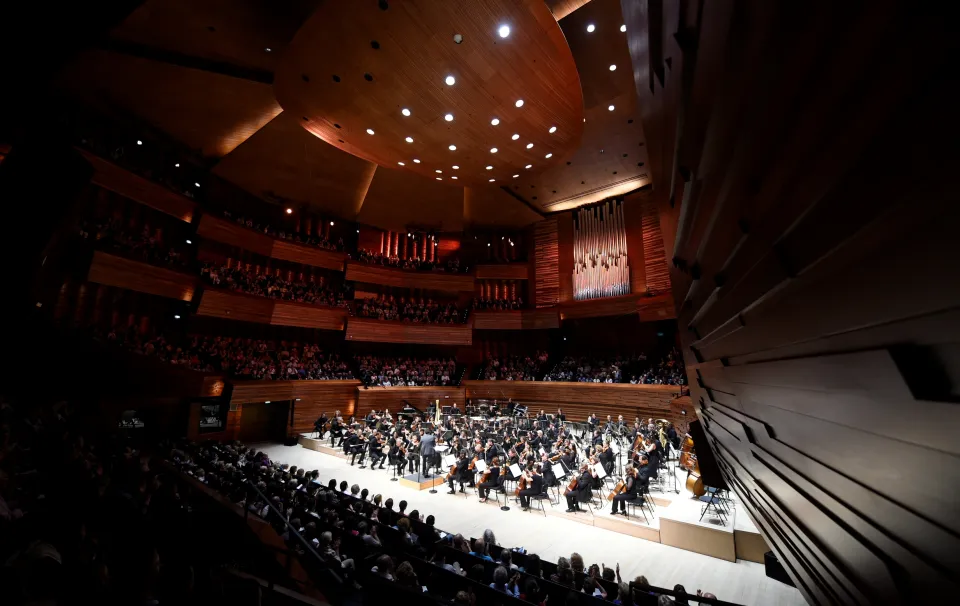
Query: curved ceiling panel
<point x="397" y="199"/>
<point x="354" y="67"/>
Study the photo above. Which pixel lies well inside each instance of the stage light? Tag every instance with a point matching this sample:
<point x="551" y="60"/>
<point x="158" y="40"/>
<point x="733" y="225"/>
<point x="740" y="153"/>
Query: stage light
<point x="591" y="28"/>
<point x="289" y="211"/>
<point x="552" y="130"/>
<point x="450" y="80"/>
<point x="495" y="121"/>
<point x="369" y="131"/>
<point x="519" y="103"/>
<point x="504" y="31"/>
<point x="405" y="111"/>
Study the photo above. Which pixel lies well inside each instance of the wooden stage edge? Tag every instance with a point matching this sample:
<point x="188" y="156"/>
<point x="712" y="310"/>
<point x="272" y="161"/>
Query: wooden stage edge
<point x="679" y="527"/>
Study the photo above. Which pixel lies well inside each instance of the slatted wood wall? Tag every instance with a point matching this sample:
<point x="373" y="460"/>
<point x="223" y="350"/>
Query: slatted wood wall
<point x="546" y="263"/>
<point x="657" y="274"/>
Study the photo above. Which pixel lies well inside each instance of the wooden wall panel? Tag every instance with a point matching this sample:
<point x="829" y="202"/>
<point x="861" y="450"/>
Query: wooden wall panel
<point x="816" y="289"/>
<point x="228" y="232"/>
<point x="372" y="274"/>
<point x="314" y="397"/>
<point x="308" y="255"/>
<point x="526" y="319"/>
<point x="387" y="331"/>
<point x="129" y="185"/>
<point x="580" y="399"/>
<point x="595" y="308"/>
<point x="565" y="256"/>
<point x="546" y="263"/>
<point x="510" y="271"/>
<point x="308" y="316"/>
<point x="112" y="270"/>
<point x="656" y="271"/>
<point x="233" y="306"/>
<point x="378" y="398"/>
<point x="633" y="227"/>
<point x="658" y="307"/>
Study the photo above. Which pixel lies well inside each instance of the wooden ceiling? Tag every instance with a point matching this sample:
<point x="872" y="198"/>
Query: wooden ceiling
<point x="350" y="83"/>
<point x="200" y="71"/>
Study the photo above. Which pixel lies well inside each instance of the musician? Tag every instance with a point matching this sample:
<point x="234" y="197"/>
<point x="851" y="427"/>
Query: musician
<point x="537" y="440"/>
<point x="489" y="452"/>
<point x="493" y="479"/>
<point x="654" y="451"/>
<point x="593" y="421"/>
<point x="353" y="446"/>
<point x="672" y="436"/>
<point x="427" y="451"/>
<point x="609" y="425"/>
<point x="567" y="461"/>
<point x="374" y="447"/>
<point x="630" y="492"/>
<point x="645" y="471"/>
<point x="413" y="453"/>
<point x="454" y="410"/>
<point x="582" y="492"/>
<point x="387" y="416"/>
<point x="597" y="438"/>
<point x="560" y="416"/>
<point x="397" y="456"/>
<point x="546" y="470"/>
<point x="605" y="456"/>
<point x="512" y="459"/>
<point x="319" y="424"/>
<point x="336" y="429"/>
<point x="533" y="488"/>
<point x="621" y="424"/>
<point x="462" y="474"/>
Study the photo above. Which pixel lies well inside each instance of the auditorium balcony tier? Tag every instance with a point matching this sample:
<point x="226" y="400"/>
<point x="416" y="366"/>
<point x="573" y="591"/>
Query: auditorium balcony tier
<point x="398" y="331"/>
<point x="399" y="278"/>
<point x="114" y="270"/>
<point x="263" y="310"/>
<point x="516" y="319"/>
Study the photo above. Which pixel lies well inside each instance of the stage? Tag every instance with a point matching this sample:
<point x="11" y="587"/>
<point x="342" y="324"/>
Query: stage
<point x="654" y="548"/>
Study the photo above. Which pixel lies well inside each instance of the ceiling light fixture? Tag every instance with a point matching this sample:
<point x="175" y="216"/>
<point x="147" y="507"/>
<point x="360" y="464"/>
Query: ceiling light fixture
<point x="405" y="111"/>
<point x="495" y="121"/>
<point x="492" y="180"/>
<point x="448" y="117"/>
<point x="439" y="171"/>
<point x="415" y="161"/>
<point x="401" y="163"/>
<point x="489" y="168"/>
<point x="455" y="167"/>
<point x="189" y="242"/>
<point x="268" y="49"/>
<point x="450" y="80"/>
<point x="613" y="68"/>
<point x="504" y="31"/>
<point x="623" y="28"/>
<point x="196" y="185"/>
<point x="515" y="137"/>
<point x="548" y="156"/>
<point x="529" y="145"/>
<point x="409" y="139"/>
<point x="177" y="165"/>
<point x="369" y="131"/>
<point x="493" y="150"/>
<point x="176" y="316"/>
<point x="590" y="28"/>
<point x="439" y="178"/>
<point x="139" y="142"/>
<point x="610" y="108"/>
<point x="331" y="224"/>
<point x="453" y="176"/>
<point x="289" y="211"/>
<point x="528" y="166"/>
<point x="452" y="148"/>
<point x="515" y="176"/>
<point x="552" y="130"/>
<point x="519" y="103"/>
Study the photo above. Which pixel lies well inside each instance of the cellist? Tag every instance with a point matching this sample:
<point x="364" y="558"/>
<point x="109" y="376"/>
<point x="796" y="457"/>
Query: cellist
<point x="533" y="487"/>
<point x="629" y="492"/>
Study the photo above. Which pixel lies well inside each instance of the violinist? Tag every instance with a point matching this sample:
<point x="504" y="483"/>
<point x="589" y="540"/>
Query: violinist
<point x="489" y="452"/>
<point x="319" y="425"/>
<point x="352" y="446"/>
<point x="533" y="486"/>
<point x="644" y="472"/>
<point x="546" y="469"/>
<point x="397" y="455"/>
<point x="653" y="450"/>
<point x="413" y="453"/>
<point x="605" y="456"/>
<point x="582" y="491"/>
<point x="629" y="493"/>
<point x="461" y="473"/>
<point x="512" y="459"/>
<point x="567" y="461"/>
<point x="560" y="416"/>
<point x="491" y="479"/>
<point x="336" y="429"/>
<point x="375" y="448"/>
<point x="537" y="440"/>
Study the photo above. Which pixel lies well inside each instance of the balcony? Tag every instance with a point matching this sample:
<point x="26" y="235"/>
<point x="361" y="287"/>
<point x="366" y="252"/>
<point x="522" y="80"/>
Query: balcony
<point x="394" y="331"/>
<point x="262" y="310"/>
<point x="399" y="278"/>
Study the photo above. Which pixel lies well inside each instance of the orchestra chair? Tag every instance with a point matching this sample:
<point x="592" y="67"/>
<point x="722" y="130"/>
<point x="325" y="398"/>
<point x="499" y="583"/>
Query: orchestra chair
<point x="644" y="502"/>
<point x="712" y="500"/>
<point x="555" y="499"/>
<point x="723" y="499"/>
<point x="538" y="499"/>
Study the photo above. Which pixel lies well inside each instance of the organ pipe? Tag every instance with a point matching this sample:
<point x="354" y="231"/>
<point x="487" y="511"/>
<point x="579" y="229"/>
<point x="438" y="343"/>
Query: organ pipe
<point x="600" y="264"/>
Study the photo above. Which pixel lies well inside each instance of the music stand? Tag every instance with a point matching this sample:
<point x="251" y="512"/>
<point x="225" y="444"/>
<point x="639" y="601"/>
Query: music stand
<point x="439" y="450"/>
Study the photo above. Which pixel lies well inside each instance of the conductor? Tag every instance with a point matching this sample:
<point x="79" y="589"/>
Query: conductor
<point x="427" y="451"/>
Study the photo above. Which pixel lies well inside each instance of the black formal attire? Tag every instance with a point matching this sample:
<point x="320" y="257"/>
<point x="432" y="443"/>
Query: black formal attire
<point x="462" y="474"/>
<point x="336" y="431"/>
<point x="567" y="463"/>
<point x="562" y="417"/>
<point x="673" y="438"/>
<point x="397" y="458"/>
<point x="535" y="489"/>
<point x="427" y="451"/>
<point x="609" y="427"/>
<point x="549" y="478"/>
<point x="644" y="474"/>
<point x="489" y="453"/>
<point x="413" y="456"/>
<point x="606" y="459"/>
<point x="597" y="441"/>
<point x="593" y="422"/>
<point x="318" y="426"/>
<point x="376" y="455"/>
<point x="582" y="493"/>
<point x="355" y="447"/>
<point x="629" y="494"/>
<point x="494" y="481"/>
<point x="655" y="454"/>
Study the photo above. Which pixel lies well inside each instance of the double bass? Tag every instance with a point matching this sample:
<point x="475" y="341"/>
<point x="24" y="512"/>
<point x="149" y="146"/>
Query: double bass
<point x="688" y="461"/>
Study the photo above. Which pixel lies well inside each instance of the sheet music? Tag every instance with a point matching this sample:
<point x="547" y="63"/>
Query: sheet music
<point x="601" y="472"/>
<point x="615" y="448"/>
<point x="515" y="470"/>
<point x="448" y="461"/>
<point x="481" y="465"/>
<point x="441" y="448"/>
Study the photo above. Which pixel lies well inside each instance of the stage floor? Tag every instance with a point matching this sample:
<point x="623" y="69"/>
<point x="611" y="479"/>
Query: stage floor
<point x="598" y="537"/>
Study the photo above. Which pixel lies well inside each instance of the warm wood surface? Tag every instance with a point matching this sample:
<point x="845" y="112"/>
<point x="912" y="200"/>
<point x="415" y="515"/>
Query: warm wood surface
<point x="378" y="398"/>
<point x="251" y="308"/>
<point x="504" y="271"/>
<point x="516" y="319"/>
<point x="395" y="331"/>
<point x="308" y="316"/>
<point x="427" y="280"/>
<point x="234" y="234"/>
<point x="596" y="308"/>
<point x="110" y="176"/>
<point x="308" y="255"/>
<point x="546" y="264"/>
<point x="533" y="64"/>
<point x="659" y="307"/>
<point x="112" y="270"/>
<point x="314" y="397"/>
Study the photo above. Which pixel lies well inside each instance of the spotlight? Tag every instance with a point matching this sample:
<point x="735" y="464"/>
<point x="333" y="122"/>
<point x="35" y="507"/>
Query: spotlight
<point x="331" y="223"/>
<point x="139" y="142"/>
<point x="289" y="211"/>
<point x="504" y="31"/>
<point x="450" y="80"/>
<point x="591" y="28"/>
<point x="176" y="316"/>
<point x="189" y="242"/>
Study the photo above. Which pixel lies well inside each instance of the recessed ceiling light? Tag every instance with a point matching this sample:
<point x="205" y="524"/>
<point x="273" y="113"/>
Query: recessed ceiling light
<point x="448" y="117"/>
<point x="177" y="165"/>
<point x="613" y="68"/>
<point x="439" y="171"/>
<point x="495" y="121"/>
<point x="590" y="28"/>
<point x="196" y="185"/>
<point x="492" y="180"/>
<point x="405" y="111"/>
<point x="289" y="211"/>
<point x="489" y="168"/>
<point x="369" y="131"/>
<point x="401" y="163"/>
<point x="139" y="142"/>
<point x="623" y="28"/>
<point x="515" y="176"/>
<point x="453" y="176"/>
<point x="548" y="156"/>
<point x="504" y="31"/>
<point x="529" y="145"/>
<point x="455" y="167"/>
<point x="415" y="161"/>
<point x="439" y="178"/>
<point x="493" y="150"/>
<point x="452" y="148"/>
<point x="519" y="103"/>
<point x="610" y="107"/>
<point x="268" y="49"/>
<point x="528" y="166"/>
<point x="515" y="137"/>
<point x="176" y="316"/>
<point x="408" y="139"/>
<point x="189" y="242"/>
<point x="331" y="224"/>
<point x="450" y="80"/>
<point x="552" y="130"/>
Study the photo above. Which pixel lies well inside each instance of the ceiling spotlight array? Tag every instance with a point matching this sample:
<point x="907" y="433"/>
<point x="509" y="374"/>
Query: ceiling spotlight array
<point x="405" y="111"/>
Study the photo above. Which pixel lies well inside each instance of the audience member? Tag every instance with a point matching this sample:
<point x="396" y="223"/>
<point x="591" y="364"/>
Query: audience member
<point x="410" y="310"/>
<point x="274" y="286"/>
<point x="387" y="372"/>
<point x="513" y="367"/>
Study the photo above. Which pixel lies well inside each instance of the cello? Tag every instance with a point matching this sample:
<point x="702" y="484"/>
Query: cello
<point x="688" y="461"/>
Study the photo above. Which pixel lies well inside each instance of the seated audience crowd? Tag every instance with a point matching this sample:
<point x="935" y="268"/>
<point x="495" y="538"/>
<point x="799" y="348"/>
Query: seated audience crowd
<point x="513" y="367"/>
<point x="667" y="371"/>
<point x="273" y="286"/>
<point x="387" y="372"/>
<point x="110" y="235"/>
<point x="451" y="265"/>
<point x="486" y="304"/>
<point x="422" y="311"/>
<point x="281" y="234"/>
<point x="238" y="357"/>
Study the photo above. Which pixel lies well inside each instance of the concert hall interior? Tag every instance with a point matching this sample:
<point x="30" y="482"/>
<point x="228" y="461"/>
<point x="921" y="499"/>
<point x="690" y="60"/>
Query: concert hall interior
<point x="493" y="302"/>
